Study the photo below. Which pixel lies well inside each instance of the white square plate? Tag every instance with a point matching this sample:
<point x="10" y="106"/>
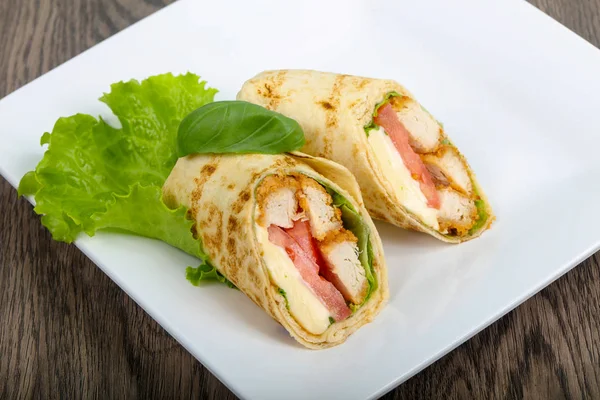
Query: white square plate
<point x="518" y="94"/>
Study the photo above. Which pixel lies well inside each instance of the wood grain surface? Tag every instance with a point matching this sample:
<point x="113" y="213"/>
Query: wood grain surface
<point x="67" y="331"/>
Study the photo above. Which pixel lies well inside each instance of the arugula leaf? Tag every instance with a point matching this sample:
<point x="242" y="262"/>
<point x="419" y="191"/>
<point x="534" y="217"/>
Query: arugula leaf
<point x="238" y="127"/>
<point x="94" y="176"/>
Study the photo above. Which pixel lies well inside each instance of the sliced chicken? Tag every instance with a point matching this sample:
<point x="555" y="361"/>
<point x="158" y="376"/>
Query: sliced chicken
<point x="277" y="201"/>
<point x="301" y="218"/>
<point x="343" y="267"/>
<point x="400" y="137"/>
<point x="457" y="214"/>
<point x="425" y="132"/>
<point x="448" y="169"/>
<point x="317" y="206"/>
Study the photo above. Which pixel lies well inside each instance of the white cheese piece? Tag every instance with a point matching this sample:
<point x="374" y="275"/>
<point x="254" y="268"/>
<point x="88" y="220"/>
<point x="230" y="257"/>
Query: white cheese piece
<point x="406" y="188"/>
<point x="303" y="304"/>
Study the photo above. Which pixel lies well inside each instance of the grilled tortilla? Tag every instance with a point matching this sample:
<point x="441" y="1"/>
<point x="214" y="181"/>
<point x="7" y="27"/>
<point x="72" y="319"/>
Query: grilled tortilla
<point x="291" y="232"/>
<point x="410" y="173"/>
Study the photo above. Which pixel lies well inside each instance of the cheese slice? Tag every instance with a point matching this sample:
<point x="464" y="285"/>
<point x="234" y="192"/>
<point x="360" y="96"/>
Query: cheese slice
<point x="303" y="304"/>
<point x="406" y="189"/>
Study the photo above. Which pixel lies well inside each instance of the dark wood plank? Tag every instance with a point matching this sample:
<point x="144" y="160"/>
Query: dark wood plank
<point x="67" y="331"/>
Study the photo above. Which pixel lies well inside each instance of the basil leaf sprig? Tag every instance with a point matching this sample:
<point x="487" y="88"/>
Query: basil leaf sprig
<point x="237" y="127"/>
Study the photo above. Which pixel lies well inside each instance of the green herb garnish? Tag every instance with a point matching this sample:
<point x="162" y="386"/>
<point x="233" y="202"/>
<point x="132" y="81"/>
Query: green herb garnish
<point x="354" y="223"/>
<point x="94" y="176"/>
<point x="282" y="292"/>
<point x="206" y="272"/>
<point x="237" y="127"/>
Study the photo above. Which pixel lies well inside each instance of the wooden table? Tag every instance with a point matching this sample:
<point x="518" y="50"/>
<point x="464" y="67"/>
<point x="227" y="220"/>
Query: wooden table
<point x="67" y="331"/>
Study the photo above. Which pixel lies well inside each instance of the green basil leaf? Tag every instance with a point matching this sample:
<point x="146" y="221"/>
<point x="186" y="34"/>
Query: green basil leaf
<point x="237" y="127"/>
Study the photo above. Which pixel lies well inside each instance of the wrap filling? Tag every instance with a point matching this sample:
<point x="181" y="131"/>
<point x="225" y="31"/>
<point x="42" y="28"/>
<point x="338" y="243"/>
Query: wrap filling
<point x="428" y="174"/>
<point x="312" y="251"/>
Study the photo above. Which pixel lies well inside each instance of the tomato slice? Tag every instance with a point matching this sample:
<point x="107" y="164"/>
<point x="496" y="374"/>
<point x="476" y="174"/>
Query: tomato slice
<point x="300" y="232"/>
<point x="309" y="271"/>
<point x="388" y="120"/>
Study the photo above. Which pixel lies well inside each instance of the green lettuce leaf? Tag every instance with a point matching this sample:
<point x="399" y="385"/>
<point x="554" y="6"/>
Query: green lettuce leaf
<point x="95" y="176"/>
<point x="89" y="161"/>
<point x="482" y="214"/>
<point x="355" y="224"/>
<point x="372" y="125"/>
<point x="142" y="212"/>
<point x="206" y="272"/>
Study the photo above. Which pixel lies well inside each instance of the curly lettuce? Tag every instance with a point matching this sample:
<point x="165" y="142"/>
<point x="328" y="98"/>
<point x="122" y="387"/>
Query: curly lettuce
<point x="95" y="176"/>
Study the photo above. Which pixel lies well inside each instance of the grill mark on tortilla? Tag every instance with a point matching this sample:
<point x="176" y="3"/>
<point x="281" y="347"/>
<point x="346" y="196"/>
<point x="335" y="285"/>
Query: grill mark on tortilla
<point x="278" y="163"/>
<point x="205" y="173"/>
<point x="256" y="175"/>
<point x="231" y="260"/>
<point x="214" y="218"/>
<point x="326" y="105"/>
<point x="271" y="89"/>
<point x="327" y="145"/>
<point x="284" y="162"/>
<point x="330" y="107"/>
<point x="241" y="201"/>
<point x="231" y="186"/>
<point x="252" y="270"/>
<point x="208" y="170"/>
<point x="355" y="151"/>
<point x="360" y="83"/>
<point x="231" y="250"/>
<point x="232" y="224"/>
<point x="336" y="91"/>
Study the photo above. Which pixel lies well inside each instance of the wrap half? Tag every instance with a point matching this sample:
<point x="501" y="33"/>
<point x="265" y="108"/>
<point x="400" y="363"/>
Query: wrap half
<point x="292" y="233"/>
<point x="410" y="173"/>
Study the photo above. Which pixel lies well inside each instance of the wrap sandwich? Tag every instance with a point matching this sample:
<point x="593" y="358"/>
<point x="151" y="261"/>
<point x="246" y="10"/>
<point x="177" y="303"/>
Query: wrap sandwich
<point x="410" y="173"/>
<point x="291" y="232"/>
<point x="222" y="182"/>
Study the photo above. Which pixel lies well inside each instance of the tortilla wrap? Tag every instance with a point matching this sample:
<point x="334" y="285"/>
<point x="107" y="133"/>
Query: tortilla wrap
<point x="334" y="111"/>
<point x="220" y="192"/>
